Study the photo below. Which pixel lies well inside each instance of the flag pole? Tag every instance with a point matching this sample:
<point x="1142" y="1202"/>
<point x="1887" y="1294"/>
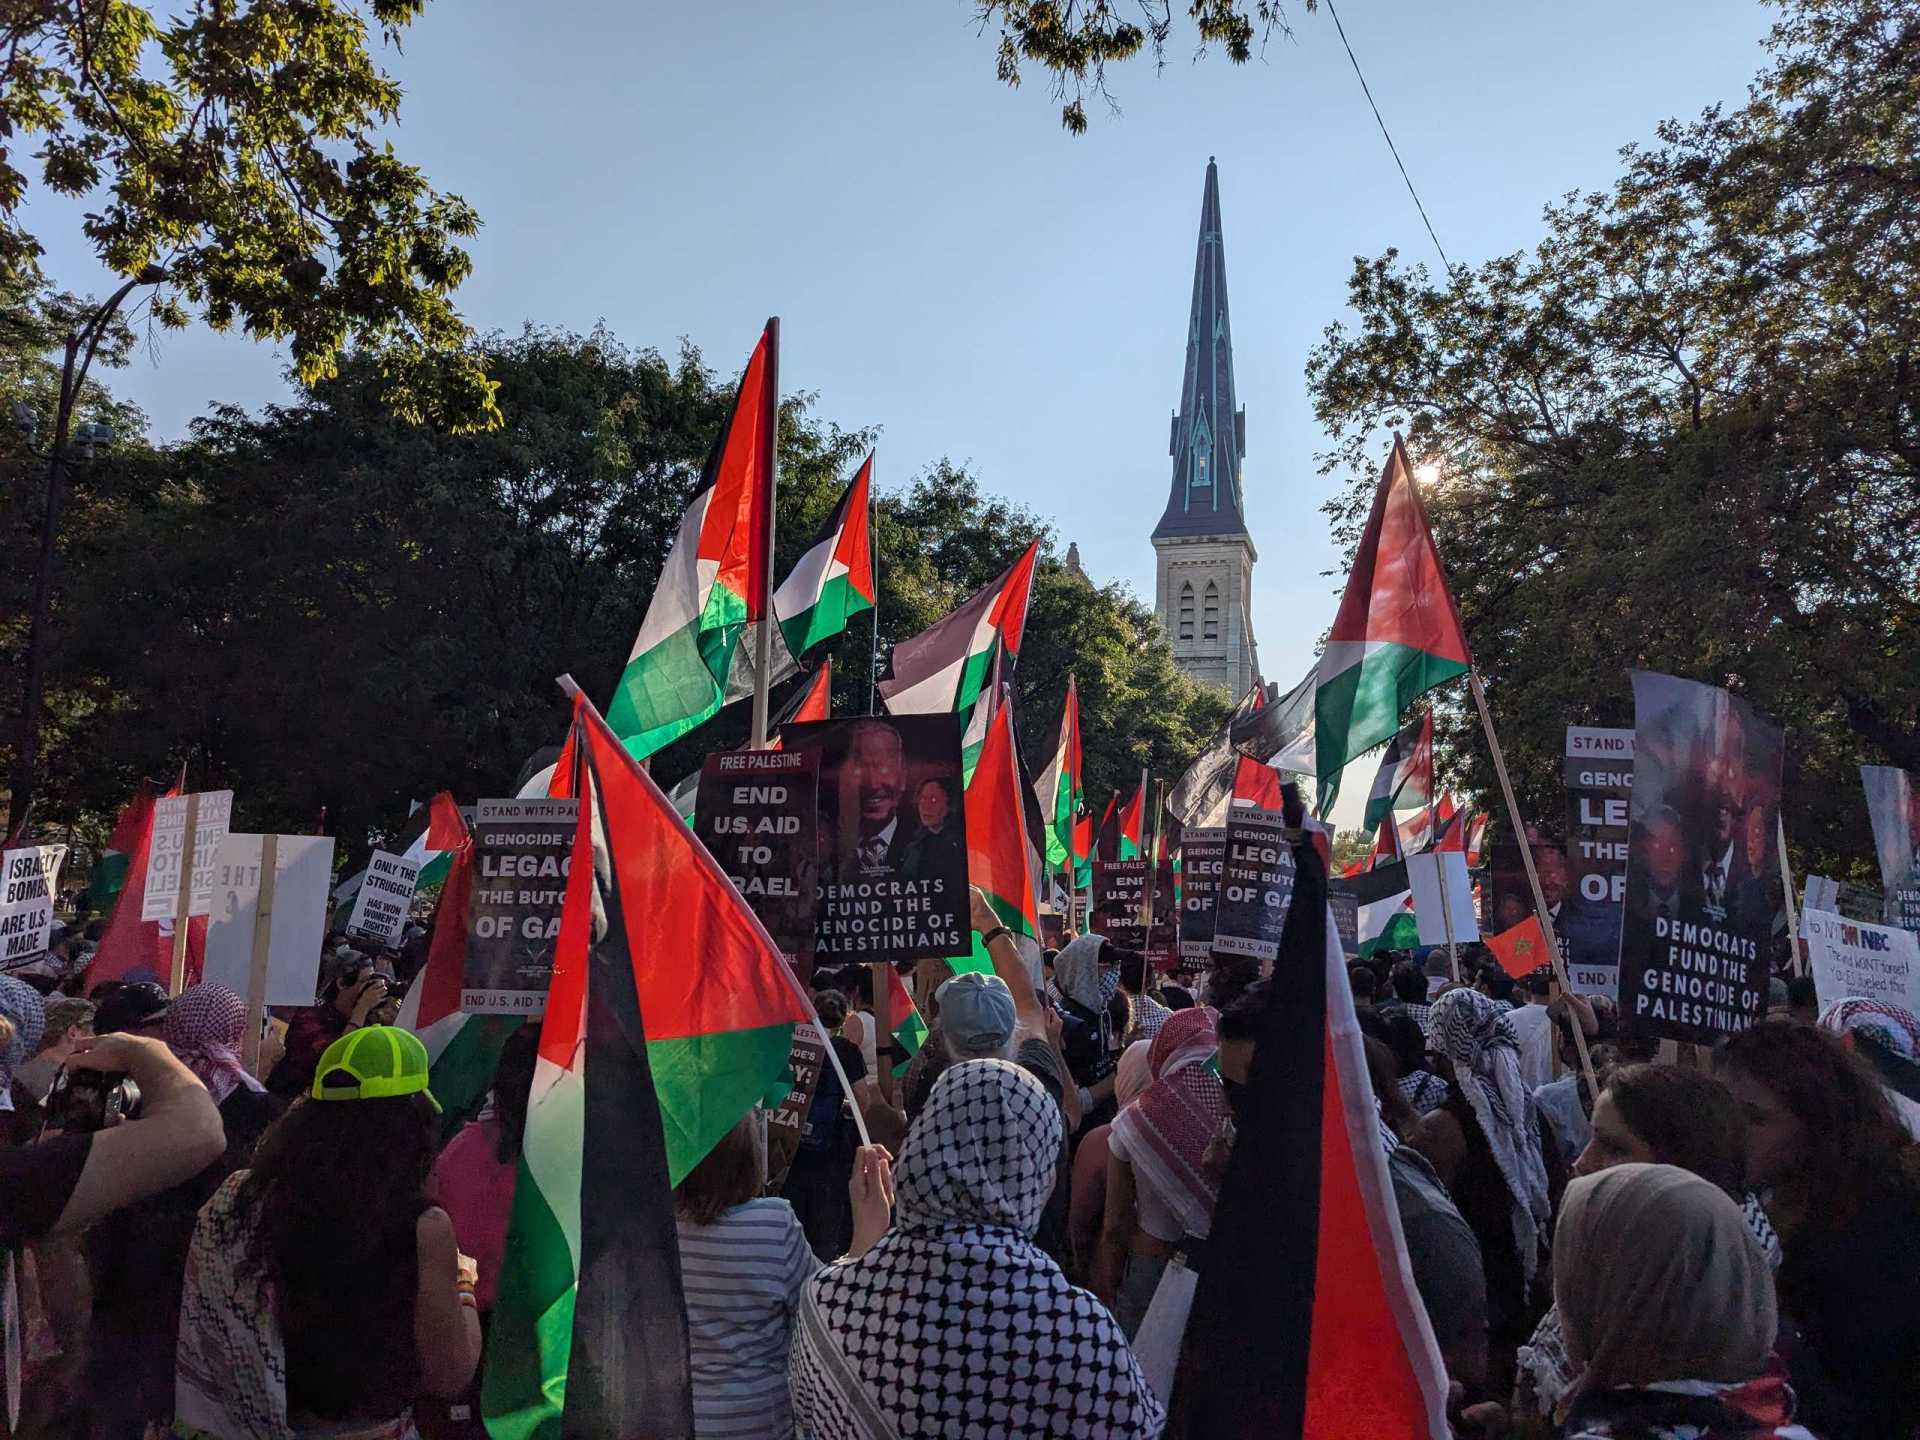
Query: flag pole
<point x="1786" y="893"/>
<point x="572" y="691"/>
<point x="1533" y="875"/>
<point x="770" y="460"/>
<point x="873" y="558"/>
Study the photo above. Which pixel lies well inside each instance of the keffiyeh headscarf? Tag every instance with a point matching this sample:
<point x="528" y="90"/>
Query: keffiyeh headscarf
<point x="205" y="1028"/>
<point x="1167" y="1129"/>
<point x="1076" y="975"/>
<point x="23" y="1005"/>
<point x="1478" y="1039"/>
<point x="1896" y="1029"/>
<point x="955" y="1323"/>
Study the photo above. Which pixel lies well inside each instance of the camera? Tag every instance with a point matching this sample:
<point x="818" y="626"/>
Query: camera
<point x="83" y="1101"/>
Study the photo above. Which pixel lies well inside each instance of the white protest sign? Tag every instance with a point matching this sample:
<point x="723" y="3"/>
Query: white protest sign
<point x="303" y="874"/>
<point x="1852" y="958"/>
<point x="386" y="898"/>
<point x="30" y="877"/>
<point x="162" y="896"/>
<point x="1440" y="889"/>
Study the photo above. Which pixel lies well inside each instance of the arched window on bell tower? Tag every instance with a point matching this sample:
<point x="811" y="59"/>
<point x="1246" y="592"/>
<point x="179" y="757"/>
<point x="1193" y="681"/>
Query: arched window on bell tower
<point x="1210" y="613"/>
<point x="1186" y="611"/>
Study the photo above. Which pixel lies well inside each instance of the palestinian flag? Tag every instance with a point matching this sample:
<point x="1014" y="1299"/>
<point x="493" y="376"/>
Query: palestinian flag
<point x="1477" y="840"/>
<point x="812" y="701"/>
<point x="1061" y="792"/>
<point x="1405" y="778"/>
<point x="1521" y="949"/>
<point x="445" y="832"/>
<point x="132" y="948"/>
<point x="1315" y="1331"/>
<point x="130" y="832"/>
<point x="833" y="580"/>
<point x="945" y="667"/>
<point x="714" y="582"/>
<point x="1257" y="785"/>
<point x="909" y="1029"/>
<point x="1132" y="835"/>
<point x="1448" y="832"/>
<point x="997" y="831"/>
<point x="669" y="1014"/>
<point x="1397" y="633"/>
<point x="1385" y="896"/>
<point x="1266" y="727"/>
<point x="973" y="735"/>
<point x="1415" y="833"/>
<point x="463" y="1050"/>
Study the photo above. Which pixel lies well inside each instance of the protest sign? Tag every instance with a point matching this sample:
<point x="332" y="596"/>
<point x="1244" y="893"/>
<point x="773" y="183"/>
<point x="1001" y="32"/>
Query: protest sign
<point x="1256" y="884"/>
<point x="302" y="876"/>
<point x="1203" y="853"/>
<point x="213" y="811"/>
<point x="522" y="852"/>
<point x="757" y="813"/>
<point x="1119" y="892"/>
<point x="1442" y="894"/>
<point x="892" y="837"/>
<point x="1893" y="805"/>
<point x="1586" y="920"/>
<point x="1345" y="906"/>
<point x="386" y="898"/>
<point x="1703" y="886"/>
<point x="1849" y="902"/>
<point x="787" y="1124"/>
<point x="31" y="876"/>
<point x="1851" y="958"/>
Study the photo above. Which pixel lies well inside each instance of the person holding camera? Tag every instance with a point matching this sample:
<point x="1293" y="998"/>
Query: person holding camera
<point x="353" y="996"/>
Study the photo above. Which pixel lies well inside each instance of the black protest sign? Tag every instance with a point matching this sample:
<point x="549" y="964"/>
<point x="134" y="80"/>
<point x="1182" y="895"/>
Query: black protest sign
<point x="1893" y="805"/>
<point x="806" y="1058"/>
<point x="1586" y="919"/>
<point x="892" y="882"/>
<point x="522" y="852"/>
<point x="1256" y="885"/>
<point x="1119" y="891"/>
<point x="1345" y="906"/>
<point x="1203" y="851"/>
<point x="757" y="814"/>
<point x="1703" y="899"/>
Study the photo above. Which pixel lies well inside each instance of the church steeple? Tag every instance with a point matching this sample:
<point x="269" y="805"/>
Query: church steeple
<point x="1209" y="433"/>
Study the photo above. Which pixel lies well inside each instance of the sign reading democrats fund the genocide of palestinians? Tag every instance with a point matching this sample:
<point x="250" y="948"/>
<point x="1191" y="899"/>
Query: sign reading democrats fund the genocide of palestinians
<point x="756" y="813"/>
<point x="892" y="856"/>
<point x="522" y="852"/>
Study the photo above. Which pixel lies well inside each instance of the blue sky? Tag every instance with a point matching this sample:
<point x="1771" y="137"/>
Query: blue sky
<point x="952" y="266"/>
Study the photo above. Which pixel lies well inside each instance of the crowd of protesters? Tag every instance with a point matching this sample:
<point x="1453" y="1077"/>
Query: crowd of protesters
<point x="1712" y="1245"/>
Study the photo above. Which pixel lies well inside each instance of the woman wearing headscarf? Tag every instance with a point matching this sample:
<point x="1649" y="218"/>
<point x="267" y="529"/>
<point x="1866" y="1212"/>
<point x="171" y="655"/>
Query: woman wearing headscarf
<point x="1670" y="1340"/>
<point x="1093" y="1021"/>
<point x="1485" y="1144"/>
<point x="1888" y="1039"/>
<point x="1160" y="1194"/>
<point x="26" y="1012"/>
<point x="205" y="1027"/>
<point x="954" y="1323"/>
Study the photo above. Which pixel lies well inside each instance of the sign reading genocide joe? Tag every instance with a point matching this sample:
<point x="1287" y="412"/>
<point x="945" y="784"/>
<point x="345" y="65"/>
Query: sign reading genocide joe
<point x="1119" y="890"/>
<point x="522" y="851"/>
<point x="757" y="813"/>
<point x="1256" y="885"/>
<point x="892" y="837"/>
<point x="1703" y="896"/>
<point x="1203" y="852"/>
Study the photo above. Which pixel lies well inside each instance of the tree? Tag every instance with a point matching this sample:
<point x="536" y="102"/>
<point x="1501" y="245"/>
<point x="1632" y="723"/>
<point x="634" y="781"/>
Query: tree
<point x="1075" y="41"/>
<point x="1684" y="433"/>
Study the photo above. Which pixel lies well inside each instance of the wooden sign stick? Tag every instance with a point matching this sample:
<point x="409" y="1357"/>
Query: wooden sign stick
<point x="183" y="897"/>
<point x="262" y="944"/>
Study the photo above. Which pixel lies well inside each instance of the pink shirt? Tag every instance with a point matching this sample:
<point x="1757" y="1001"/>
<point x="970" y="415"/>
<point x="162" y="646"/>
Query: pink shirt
<point x="476" y="1191"/>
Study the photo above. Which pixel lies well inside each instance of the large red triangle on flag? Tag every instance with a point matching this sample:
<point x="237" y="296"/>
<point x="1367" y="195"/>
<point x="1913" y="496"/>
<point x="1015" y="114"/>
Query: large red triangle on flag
<point x="734" y="535"/>
<point x="997" y="830"/>
<point x="1397" y="593"/>
<point x="446" y="829"/>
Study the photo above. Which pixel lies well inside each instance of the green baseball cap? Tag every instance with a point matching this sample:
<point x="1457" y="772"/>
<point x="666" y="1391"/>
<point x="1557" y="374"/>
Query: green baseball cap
<point x="381" y="1061"/>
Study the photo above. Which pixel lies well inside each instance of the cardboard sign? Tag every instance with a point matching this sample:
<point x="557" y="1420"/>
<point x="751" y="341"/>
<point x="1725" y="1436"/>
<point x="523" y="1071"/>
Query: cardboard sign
<point x="385" y="900"/>
<point x="1893" y="805"/>
<point x="757" y="815"/>
<point x="1848" y="901"/>
<point x="1119" y="892"/>
<point x="29" y="878"/>
<point x="1442" y="892"/>
<point x="1203" y="853"/>
<point x="1586" y="915"/>
<point x="162" y="897"/>
<point x="892" y="837"/>
<point x="522" y="852"/>
<point x="302" y="875"/>
<point x="1256" y="885"/>
<point x="1853" y="959"/>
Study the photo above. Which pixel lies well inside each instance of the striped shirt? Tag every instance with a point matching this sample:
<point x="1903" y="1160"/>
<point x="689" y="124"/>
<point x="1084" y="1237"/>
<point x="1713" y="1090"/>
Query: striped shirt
<point x="743" y="1275"/>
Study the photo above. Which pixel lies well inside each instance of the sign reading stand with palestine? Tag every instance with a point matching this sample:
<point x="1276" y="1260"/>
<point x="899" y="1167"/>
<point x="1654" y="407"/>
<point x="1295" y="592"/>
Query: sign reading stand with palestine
<point x="1703" y="879"/>
<point x="757" y="815"/>
<point x="522" y="852"/>
<point x="215" y="813"/>
<point x="1203" y="854"/>
<point x="30" y="877"/>
<point x="1256" y="885"/>
<point x="385" y="900"/>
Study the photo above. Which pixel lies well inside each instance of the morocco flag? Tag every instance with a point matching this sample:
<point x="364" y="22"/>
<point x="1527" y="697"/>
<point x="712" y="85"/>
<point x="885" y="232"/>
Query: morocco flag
<point x="713" y="584"/>
<point x="945" y="667"/>
<point x="833" y="580"/>
<point x="1060" y="791"/>
<point x="1405" y="778"/>
<point x="1397" y="633"/>
<point x="1521" y="949"/>
<point x="1315" y="1331"/>
<point x="670" y="1012"/>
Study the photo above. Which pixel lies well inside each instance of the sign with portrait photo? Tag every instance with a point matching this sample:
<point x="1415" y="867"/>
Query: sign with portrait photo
<point x="1893" y="805"/>
<point x="1703" y="895"/>
<point x="892" y="837"/>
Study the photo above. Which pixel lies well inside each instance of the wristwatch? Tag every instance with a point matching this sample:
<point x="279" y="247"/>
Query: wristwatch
<point x="993" y="935"/>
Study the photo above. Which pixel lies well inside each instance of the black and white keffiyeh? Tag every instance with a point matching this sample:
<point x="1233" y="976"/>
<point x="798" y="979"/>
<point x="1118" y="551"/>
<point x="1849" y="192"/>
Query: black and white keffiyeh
<point x="1479" y="1040"/>
<point x="955" y="1324"/>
